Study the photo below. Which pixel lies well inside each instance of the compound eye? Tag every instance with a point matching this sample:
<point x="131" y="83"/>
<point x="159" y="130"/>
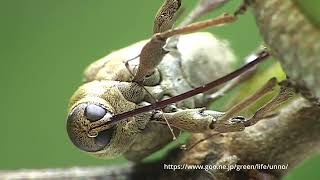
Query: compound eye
<point x="78" y="130"/>
<point x="94" y="112"/>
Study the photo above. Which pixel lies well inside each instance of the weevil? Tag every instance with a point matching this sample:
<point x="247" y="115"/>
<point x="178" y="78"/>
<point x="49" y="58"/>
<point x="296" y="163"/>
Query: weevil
<point x="159" y="73"/>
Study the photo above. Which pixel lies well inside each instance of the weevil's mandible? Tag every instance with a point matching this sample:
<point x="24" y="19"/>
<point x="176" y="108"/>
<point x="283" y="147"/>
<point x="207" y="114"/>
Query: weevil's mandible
<point x="112" y="113"/>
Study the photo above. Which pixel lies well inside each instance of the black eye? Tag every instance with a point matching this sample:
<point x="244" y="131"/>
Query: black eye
<point x="94" y="112"/>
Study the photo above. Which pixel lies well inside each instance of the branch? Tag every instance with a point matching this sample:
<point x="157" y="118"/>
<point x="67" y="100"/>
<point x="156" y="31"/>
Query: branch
<point x="288" y="138"/>
<point x="107" y="172"/>
<point x="294" y="41"/>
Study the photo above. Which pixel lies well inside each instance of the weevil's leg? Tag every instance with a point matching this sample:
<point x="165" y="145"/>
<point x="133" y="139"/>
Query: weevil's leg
<point x="152" y="53"/>
<point x="229" y="124"/>
<point x="190" y="120"/>
<point x="284" y="94"/>
<point x="267" y="88"/>
<point x="166" y="16"/>
<point x="243" y="7"/>
<point x="264" y="112"/>
<point x="239" y="124"/>
<point x="153" y="99"/>
<point x="196" y="120"/>
<point x="178" y="14"/>
<point x="126" y="63"/>
<point x="203" y="7"/>
<point x="150" y="57"/>
<point x="196" y="26"/>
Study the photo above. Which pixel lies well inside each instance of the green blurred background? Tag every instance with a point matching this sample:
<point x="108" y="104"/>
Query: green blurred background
<point x="46" y="45"/>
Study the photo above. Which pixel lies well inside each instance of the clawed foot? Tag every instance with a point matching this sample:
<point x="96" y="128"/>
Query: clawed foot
<point x="200" y="120"/>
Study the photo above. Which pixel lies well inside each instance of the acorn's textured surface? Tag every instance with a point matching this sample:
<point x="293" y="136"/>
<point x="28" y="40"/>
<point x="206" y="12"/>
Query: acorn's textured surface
<point x="293" y="39"/>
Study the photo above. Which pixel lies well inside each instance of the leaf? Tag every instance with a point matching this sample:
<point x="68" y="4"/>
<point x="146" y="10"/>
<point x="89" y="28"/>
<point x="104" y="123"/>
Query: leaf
<point x="263" y="74"/>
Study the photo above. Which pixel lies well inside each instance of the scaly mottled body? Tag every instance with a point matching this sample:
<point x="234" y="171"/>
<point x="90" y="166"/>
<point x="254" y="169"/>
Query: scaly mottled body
<point x="200" y="58"/>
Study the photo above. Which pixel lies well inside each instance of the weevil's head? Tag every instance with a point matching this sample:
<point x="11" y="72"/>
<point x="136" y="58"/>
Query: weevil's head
<point x="95" y="102"/>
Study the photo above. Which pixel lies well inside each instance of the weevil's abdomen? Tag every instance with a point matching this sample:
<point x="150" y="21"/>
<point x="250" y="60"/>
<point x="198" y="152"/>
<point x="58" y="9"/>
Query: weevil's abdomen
<point x="112" y="67"/>
<point x="204" y="58"/>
